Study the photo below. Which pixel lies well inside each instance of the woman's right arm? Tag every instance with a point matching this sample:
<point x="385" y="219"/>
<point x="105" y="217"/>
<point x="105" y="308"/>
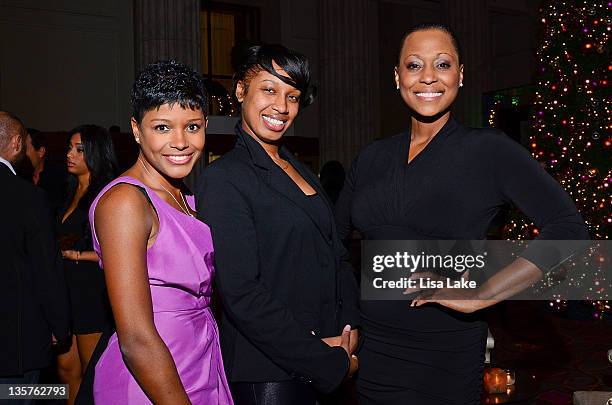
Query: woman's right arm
<point x="123" y="221"/>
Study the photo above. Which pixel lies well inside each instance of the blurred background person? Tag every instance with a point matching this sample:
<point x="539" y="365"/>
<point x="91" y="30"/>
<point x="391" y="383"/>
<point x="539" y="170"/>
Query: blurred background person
<point x="91" y="164"/>
<point x="38" y="170"/>
<point x="36" y="143"/>
<point x="33" y="299"/>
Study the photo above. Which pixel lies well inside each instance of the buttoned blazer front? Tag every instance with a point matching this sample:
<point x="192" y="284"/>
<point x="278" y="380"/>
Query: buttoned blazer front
<point x="283" y="278"/>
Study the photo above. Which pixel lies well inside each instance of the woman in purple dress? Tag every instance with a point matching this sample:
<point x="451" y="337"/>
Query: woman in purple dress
<point x="157" y="257"/>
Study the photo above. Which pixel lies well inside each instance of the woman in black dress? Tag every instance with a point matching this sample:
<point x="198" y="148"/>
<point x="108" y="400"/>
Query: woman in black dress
<point x="91" y="163"/>
<point x="287" y="295"/>
<point x="440" y="180"/>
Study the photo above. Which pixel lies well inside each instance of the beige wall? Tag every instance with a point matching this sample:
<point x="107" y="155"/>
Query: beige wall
<point x="65" y="62"/>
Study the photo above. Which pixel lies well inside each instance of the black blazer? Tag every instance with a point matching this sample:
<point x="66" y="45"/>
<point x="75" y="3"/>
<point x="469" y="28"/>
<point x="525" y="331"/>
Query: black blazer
<point x="280" y="275"/>
<point x="33" y="298"/>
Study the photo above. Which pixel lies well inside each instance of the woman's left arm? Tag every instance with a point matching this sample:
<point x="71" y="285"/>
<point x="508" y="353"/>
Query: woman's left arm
<point x="75" y="255"/>
<point x="520" y="180"/>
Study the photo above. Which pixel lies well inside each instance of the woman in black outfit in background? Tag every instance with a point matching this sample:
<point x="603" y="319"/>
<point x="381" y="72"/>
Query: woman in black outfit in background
<point x="286" y="293"/>
<point x="441" y="180"/>
<point x="91" y="164"/>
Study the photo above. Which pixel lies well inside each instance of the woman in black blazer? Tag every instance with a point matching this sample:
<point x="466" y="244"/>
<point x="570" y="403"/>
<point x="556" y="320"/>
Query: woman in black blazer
<point x="289" y="299"/>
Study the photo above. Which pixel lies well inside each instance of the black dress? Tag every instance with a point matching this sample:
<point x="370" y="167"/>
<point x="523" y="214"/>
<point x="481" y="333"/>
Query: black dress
<point x="85" y="280"/>
<point x="451" y="190"/>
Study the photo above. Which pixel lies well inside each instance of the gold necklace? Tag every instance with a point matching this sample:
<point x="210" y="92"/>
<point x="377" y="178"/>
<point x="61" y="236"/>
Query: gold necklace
<point x="186" y="209"/>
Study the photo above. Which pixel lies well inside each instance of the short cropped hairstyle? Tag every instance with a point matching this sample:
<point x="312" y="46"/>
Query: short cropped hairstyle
<point x="260" y="57"/>
<point x="433" y="26"/>
<point x="9" y="123"/>
<point x="167" y="82"/>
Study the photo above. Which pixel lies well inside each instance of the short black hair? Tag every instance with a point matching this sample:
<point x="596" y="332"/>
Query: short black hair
<point x="37" y="138"/>
<point x="260" y="57"/>
<point x="432" y="26"/>
<point x="167" y="82"/>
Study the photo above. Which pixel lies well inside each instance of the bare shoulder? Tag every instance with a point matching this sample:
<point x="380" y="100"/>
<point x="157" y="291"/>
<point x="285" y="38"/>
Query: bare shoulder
<point x="124" y="203"/>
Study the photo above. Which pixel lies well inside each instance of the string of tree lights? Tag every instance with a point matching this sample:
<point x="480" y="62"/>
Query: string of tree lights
<point x="572" y="121"/>
<point x="571" y="124"/>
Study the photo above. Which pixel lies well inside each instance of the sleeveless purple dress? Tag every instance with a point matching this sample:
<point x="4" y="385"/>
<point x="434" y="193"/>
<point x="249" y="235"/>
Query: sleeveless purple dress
<point x="180" y="266"/>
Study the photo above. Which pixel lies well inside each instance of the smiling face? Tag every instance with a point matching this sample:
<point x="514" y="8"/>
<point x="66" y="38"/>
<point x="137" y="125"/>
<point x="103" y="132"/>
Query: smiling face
<point x="75" y="157"/>
<point x="171" y="139"/>
<point x="429" y="73"/>
<point x="269" y="105"/>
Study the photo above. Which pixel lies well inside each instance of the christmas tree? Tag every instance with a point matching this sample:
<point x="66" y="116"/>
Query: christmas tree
<point x="572" y="123"/>
<point x="572" y="126"/>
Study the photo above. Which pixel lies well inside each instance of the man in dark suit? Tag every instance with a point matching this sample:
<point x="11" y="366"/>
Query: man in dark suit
<point x="33" y="299"/>
<point x="42" y="172"/>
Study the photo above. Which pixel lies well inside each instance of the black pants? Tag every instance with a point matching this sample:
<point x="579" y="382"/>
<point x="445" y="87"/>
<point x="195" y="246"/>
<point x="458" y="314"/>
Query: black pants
<point x="273" y="393"/>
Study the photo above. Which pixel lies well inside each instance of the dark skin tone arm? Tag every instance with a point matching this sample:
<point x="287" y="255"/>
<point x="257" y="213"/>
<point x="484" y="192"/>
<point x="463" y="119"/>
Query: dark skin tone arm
<point x="86" y="255"/>
<point x="513" y="279"/>
<point x="348" y="341"/>
<point x="125" y="225"/>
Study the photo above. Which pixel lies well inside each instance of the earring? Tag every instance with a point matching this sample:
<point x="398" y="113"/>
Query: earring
<point x="397" y="86"/>
<point x="461" y="84"/>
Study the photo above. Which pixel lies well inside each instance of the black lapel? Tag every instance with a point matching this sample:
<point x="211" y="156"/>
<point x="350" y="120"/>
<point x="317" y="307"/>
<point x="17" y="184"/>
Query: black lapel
<point x="279" y="181"/>
<point x="5" y="169"/>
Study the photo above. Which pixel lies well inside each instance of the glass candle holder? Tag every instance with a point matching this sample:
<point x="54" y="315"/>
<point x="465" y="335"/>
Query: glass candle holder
<point x="510" y="377"/>
<point x="495" y="381"/>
